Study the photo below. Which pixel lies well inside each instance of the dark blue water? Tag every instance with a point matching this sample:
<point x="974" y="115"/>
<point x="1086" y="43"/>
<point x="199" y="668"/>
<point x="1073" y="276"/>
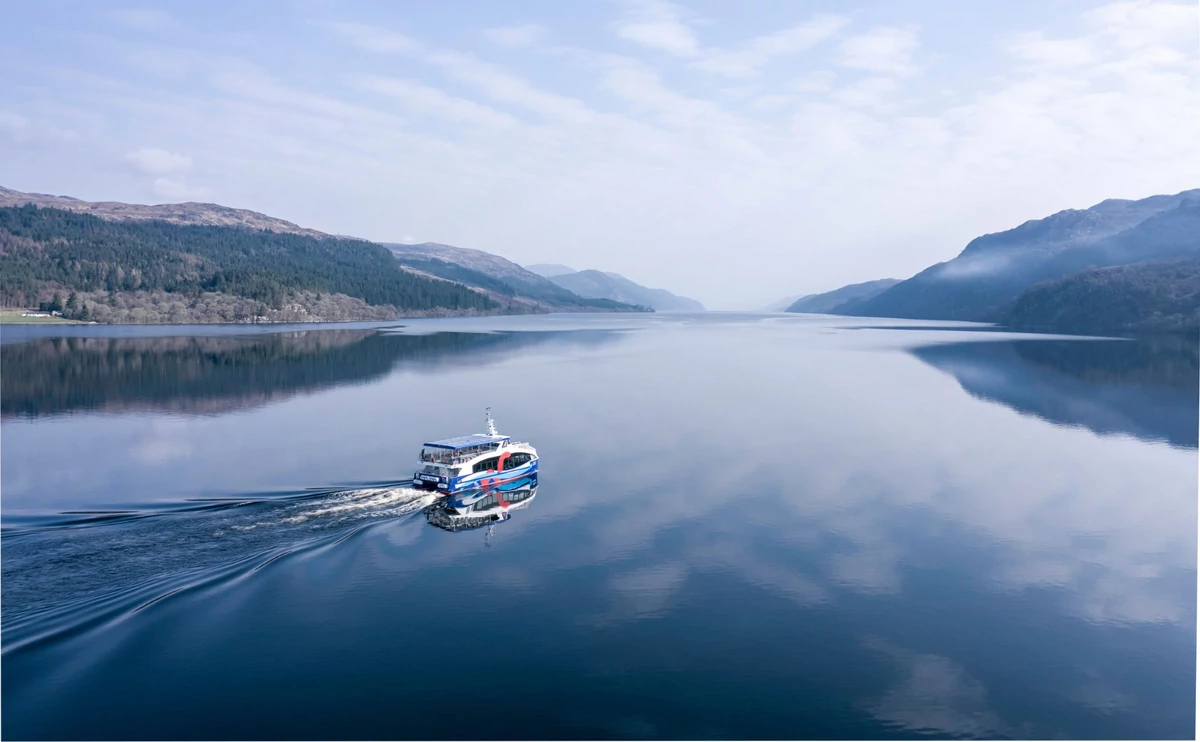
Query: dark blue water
<point x="745" y="527"/>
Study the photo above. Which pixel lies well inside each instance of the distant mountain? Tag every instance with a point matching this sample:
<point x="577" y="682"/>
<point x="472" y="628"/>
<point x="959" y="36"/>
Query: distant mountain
<point x="186" y="213"/>
<point x="781" y="305"/>
<point x="502" y="280"/>
<point x="984" y="281"/>
<point x="550" y="270"/>
<point x="615" y="287"/>
<point x="826" y="302"/>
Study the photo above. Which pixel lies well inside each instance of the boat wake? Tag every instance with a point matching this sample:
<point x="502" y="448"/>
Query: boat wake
<point x="70" y="572"/>
<point x="387" y="502"/>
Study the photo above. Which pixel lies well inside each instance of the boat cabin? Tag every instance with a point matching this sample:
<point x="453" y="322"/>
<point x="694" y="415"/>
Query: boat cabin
<point x="453" y="451"/>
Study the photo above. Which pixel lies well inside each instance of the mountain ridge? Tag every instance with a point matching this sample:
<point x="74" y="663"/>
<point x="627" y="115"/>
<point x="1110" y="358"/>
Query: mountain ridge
<point x="825" y="302"/>
<point x="506" y="285"/>
<point x="992" y="271"/>
<point x="615" y="287"/>
<point x="488" y="272"/>
<point x="190" y="212"/>
<point x="152" y="271"/>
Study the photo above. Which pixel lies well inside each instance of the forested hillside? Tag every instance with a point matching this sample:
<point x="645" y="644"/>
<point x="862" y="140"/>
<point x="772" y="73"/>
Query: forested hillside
<point x="50" y="252"/>
<point x="1146" y="297"/>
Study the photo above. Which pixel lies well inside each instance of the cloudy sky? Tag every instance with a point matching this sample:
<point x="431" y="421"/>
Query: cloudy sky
<point x="733" y="153"/>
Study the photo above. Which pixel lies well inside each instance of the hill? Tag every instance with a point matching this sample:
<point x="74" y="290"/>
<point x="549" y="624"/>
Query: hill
<point x="830" y="300"/>
<point x="615" y="287"/>
<point x="1141" y="298"/>
<point x="503" y="280"/>
<point x="993" y="270"/>
<point x="492" y="284"/>
<point x="118" y="270"/>
<point x="550" y="270"/>
<point x="185" y="213"/>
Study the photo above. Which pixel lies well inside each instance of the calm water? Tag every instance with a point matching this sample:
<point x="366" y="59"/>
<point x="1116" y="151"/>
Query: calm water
<point x="747" y="527"/>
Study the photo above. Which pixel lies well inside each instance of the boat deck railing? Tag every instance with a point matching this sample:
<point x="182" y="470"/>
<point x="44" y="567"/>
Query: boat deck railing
<point x="462" y="458"/>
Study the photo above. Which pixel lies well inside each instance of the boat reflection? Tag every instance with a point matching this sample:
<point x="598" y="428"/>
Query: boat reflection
<point x="470" y="510"/>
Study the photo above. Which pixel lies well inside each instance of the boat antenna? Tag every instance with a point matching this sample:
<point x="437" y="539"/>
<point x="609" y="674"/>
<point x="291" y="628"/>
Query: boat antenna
<point x="491" y="424"/>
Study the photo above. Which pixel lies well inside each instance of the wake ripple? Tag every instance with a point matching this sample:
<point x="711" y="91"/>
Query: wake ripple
<point x="77" y="571"/>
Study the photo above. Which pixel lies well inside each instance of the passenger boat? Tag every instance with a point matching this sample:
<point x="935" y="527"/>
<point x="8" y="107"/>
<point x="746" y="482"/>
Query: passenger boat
<point x="477" y="464"/>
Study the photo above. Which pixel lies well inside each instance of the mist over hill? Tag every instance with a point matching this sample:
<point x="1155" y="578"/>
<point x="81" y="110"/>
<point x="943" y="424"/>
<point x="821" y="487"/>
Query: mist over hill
<point x="1119" y="266"/>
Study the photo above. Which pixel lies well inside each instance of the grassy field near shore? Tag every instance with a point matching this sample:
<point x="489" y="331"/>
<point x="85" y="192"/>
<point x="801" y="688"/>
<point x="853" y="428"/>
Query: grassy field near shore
<point x="13" y="317"/>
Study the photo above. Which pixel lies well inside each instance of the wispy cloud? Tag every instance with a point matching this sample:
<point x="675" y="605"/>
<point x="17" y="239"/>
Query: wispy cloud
<point x="522" y="34"/>
<point x="665" y="27"/>
<point x="376" y="39"/>
<point x="660" y="26"/>
<point x="884" y="50"/>
<point x="748" y="61"/>
<point x="145" y="19"/>
<point x="425" y="100"/>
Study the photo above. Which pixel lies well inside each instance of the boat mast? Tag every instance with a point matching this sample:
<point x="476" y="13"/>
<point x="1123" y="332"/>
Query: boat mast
<point x="491" y="426"/>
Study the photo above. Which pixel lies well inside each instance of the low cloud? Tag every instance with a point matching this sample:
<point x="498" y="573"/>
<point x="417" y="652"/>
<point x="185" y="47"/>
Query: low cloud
<point x="176" y="190"/>
<point x="151" y="161"/>
<point x="13" y="126"/>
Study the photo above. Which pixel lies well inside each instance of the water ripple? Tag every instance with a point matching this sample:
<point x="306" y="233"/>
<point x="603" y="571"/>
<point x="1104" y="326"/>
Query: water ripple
<point x="72" y="572"/>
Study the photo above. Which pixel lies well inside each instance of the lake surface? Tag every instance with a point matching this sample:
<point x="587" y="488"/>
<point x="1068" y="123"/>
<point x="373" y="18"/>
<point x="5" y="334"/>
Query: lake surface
<point x="745" y="527"/>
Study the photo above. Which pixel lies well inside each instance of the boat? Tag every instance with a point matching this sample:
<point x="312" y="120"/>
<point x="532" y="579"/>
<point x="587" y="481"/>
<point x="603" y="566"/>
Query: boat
<point x="477" y="464"/>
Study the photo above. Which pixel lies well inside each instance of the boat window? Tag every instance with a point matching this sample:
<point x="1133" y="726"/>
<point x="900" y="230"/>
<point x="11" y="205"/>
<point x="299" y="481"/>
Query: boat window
<point x="518" y="459"/>
<point x="487" y="464"/>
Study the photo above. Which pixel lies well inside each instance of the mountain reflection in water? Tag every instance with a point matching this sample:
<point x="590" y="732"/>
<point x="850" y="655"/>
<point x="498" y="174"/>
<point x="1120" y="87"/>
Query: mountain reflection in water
<point x="1145" y="388"/>
<point x="211" y="375"/>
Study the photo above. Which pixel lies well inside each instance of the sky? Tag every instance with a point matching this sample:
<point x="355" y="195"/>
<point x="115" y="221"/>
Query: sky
<point x="734" y="153"/>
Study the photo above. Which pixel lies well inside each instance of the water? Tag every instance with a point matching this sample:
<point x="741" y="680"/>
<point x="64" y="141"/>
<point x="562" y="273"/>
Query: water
<point x="746" y="527"/>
